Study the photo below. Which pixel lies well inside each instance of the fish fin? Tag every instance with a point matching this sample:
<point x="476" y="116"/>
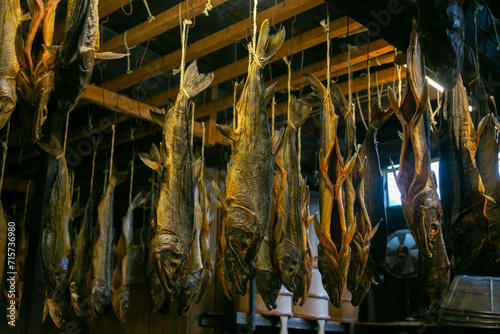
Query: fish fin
<point x="350" y="234"/>
<point x="269" y="93"/>
<point x="347" y="170"/>
<point x="320" y="231"/>
<point x="238" y="89"/>
<point x="298" y="113"/>
<point x="482" y="125"/>
<point x="489" y="198"/>
<point x="152" y="158"/>
<point x="393" y="99"/>
<point x="374" y="230"/>
<point x="140" y="199"/>
<point x="26" y="17"/>
<point x="219" y="199"/>
<point x="400" y="135"/>
<point x="109" y="55"/>
<point x="52" y="147"/>
<point x="339" y="100"/>
<point x="226" y="131"/>
<point x="118" y="177"/>
<point x="318" y="93"/>
<point x="493" y="106"/>
<point x="157" y="118"/>
<point x="53" y="49"/>
<point x="276" y="140"/>
<point x="76" y="210"/>
<point x="268" y="45"/>
<point x="197" y="165"/>
<point x="196" y="82"/>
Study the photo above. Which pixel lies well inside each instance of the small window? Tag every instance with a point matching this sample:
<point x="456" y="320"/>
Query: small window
<point x="392" y="188"/>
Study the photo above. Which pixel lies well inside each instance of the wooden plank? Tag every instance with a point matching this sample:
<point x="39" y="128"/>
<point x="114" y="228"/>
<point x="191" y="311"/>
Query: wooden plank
<point x="304" y="41"/>
<point x="163" y="22"/>
<point x="106" y="7"/>
<point x="340" y="62"/>
<point x="209" y="44"/>
<point x="361" y="83"/>
<point x="18" y="185"/>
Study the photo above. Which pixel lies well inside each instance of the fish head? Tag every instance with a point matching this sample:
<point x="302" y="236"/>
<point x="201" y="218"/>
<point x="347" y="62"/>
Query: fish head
<point x="333" y="271"/>
<point x="494" y="236"/>
<point x="243" y="238"/>
<point x="156" y="292"/>
<point x="359" y="294"/>
<point x="426" y="225"/>
<point x="302" y="283"/>
<point x="8" y="99"/>
<point x="466" y="237"/>
<point x="121" y="303"/>
<point x="58" y="307"/>
<point x="442" y="40"/>
<point x="77" y="298"/>
<point x="41" y="96"/>
<point x="269" y="285"/>
<point x="189" y="292"/>
<point x="359" y="257"/>
<point x="168" y="256"/>
<point x="58" y="270"/>
<point x="288" y="261"/>
<point x="100" y="296"/>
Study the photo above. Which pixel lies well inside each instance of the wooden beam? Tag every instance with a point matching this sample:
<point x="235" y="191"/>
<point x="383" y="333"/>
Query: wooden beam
<point x="18" y="185"/>
<point x="163" y="22"/>
<point x="209" y="44"/>
<point x="106" y="7"/>
<point x="361" y="83"/>
<point x="304" y="41"/>
<point x="340" y="62"/>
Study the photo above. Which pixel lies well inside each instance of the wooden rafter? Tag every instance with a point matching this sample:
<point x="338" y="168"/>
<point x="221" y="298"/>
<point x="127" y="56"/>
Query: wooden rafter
<point x="209" y="44"/>
<point x="304" y="41"/>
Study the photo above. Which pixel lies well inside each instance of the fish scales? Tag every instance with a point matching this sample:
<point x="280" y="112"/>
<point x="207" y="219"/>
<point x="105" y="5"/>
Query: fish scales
<point x="250" y="175"/>
<point x="10" y="20"/>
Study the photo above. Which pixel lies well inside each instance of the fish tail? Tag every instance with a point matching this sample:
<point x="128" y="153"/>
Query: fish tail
<point x="379" y="116"/>
<point x="139" y="199"/>
<point x="152" y="159"/>
<point x="268" y="45"/>
<point x="194" y="81"/>
<point x="298" y="113"/>
<point x="118" y="177"/>
<point x="52" y="147"/>
<point x="318" y="94"/>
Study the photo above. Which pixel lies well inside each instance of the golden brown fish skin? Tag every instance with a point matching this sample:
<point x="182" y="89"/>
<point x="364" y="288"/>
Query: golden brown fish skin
<point x="173" y="224"/>
<point x="10" y="20"/>
<point x="56" y="246"/>
<point x="250" y="175"/>
<point x="102" y="258"/>
<point x="58" y="305"/>
<point x="83" y="254"/>
<point x="303" y="277"/>
<point x="462" y="189"/>
<point x="288" y="233"/>
<point x="206" y="256"/>
<point x="333" y="263"/>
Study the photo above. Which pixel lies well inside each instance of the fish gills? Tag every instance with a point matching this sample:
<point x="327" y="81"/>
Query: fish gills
<point x="250" y="175"/>
<point x="333" y="263"/>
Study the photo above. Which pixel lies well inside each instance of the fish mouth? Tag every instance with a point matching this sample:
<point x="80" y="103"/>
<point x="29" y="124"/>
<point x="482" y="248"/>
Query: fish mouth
<point x="333" y="273"/>
<point x="189" y="292"/>
<point x="238" y="275"/>
<point x="288" y="258"/>
<point x="7" y="106"/>
<point x="269" y="285"/>
<point x="99" y="296"/>
<point x="121" y="303"/>
<point x="76" y="298"/>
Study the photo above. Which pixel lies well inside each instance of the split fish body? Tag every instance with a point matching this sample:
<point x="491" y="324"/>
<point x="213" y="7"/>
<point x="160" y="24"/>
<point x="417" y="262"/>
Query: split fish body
<point x="288" y="233"/>
<point x="250" y="174"/>
<point x="102" y="258"/>
<point x="170" y="246"/>
<point x="56" y="246"/>
<point x="10" y="20"/>
<point x="333" y="263"/>
<point x="462" y="189"/>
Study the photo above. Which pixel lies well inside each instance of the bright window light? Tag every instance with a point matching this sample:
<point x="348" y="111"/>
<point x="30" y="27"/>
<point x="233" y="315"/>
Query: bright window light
<point x="395" y="195"/>
<point x="432" y="82"/>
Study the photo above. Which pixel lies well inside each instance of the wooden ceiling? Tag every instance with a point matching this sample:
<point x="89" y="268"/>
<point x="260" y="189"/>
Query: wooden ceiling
<point x="219" y="42"/>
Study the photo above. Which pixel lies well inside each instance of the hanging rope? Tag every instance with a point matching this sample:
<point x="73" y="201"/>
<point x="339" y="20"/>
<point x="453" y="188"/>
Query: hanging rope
<point x="131" y="9"/>
<point x="300" y="147"/>
<point x="349" y="81"/>
<point x="289" y="90"/>
<point x="398" y="68"/>
<point x="301" y="64"/>
<point x="134" y="151"/>
<point x="113" y="128"/>
<point x="151" y="18"/>
<point x="208" y="7"/>
<point x="26" y="200"/>
<point x="369" y="88"/>
<point x="202" y="148"/>
<point x="326" y="26"/>
<point x="94" y="153"/>
<point x="254" y="30"/>
<point x="192" y="123"/>
<point x="379" y="93"/>
<point x="273" y="107"/>
<point x="361" y="111"/>
<point x="184" y="37"/>
<point x="72" y="177"/>
<point x="4" y="155"/>
<point x="125" y="44"/>
<point x="65" y="139"/>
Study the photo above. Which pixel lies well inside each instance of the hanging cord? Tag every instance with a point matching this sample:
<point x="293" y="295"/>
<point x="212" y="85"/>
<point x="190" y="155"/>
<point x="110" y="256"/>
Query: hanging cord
<point x="208" y="7"/>
<point x="368" y="68"/>
<point x="4" y="154"/>
<point x="349" y="82"/>
<point x="254" y="30"/>
<point x="26" y="200"/>
<point x="65" y="139"/>
<point x="202" y="149"/>
<point x="192" y="123"/>
<point x="300" y="148"/>
<point x="326" y="26"/>
<point x="289" y="90"/>
<point x="94" y="153"/>
<point x="184" y="37"/>
<point x="361" y="111"/>
<point x="113" y="128"/>
<point x="134" y="152"/>
<point x="151" y="18"/>
<point x="131" y="9"/>
<point x="72" y="177"/>
<point x="301" y="64"/>
<point x="125" y="44"/>
<point x="273" y="111"/>
<point x="379" y="91"/>
<point x="143" y="55"/>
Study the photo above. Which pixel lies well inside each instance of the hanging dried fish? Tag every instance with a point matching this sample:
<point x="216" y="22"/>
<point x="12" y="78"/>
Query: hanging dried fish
<point x="250" y="171"/>
<point x="288" y="233"/>
<point x="174" y="218"/>
<point x="462" y="189"/>
<point x="10" y="21"/>
<point x="58" y="305"/>
<point x="333" y="263"/>
<point x="374" y="203"/>
<point x="75" y="56"/>
<point x="122" y="275"/>
<point x="102" y="258"/>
